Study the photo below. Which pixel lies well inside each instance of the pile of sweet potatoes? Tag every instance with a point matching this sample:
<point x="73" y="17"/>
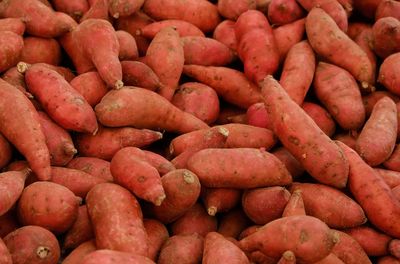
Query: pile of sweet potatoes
<point x="165" y="131"/>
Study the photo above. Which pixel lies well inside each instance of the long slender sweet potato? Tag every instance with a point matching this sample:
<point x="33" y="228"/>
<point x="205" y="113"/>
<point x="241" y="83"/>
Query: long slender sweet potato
<point x="107" y="256"/>
<point x="373" y="194"/>
<point x="349" y="251"/>
<point x="232" y="223"/>
<point x="386" y="36"/>
<point x="220" y="199"/>
<point x="333" y="207"/>
<point x="5" y="256"/>
<point x="158" y="235"/>
<point x="33" y="244"/>
<point x="257" y="47"/>
<point x="184" y="249"/>
<point x="298" y="71"/>
<point x="225" y="33"/>
<point x="200" y="13"/>
<point x="377" y="139"/>
<point x="388" y="8"/>
<point x="108" y="141"/>
<point x="12" y="24"/>
<point x="24" y="131"/>
<point x="124" y="231"/>
<point x="373" y="242"/>
<point x="94" y="166"/>
<point x="310" y="239"/>
<point x="11" y="47"/>
<point x="222" y="168"/>
<point x="288" y="35"/>
<point x="37" y="50"/>
<point x="76" y="255"/>
<point x="325" y="37"/>
<point x="230" y="84"/>
<point x="389" y="72"/>
<point x="321" y="117"/>
<point x="80" y="232"/>
<point x="11" y="184"/>
<point x="103" y="52"/>
<point x="136" y="73"/>
<point x="282" y="12"/>
<point x="182" y="190"/>
<point x="184" y="28"/>
<point x="338" y="91"/>
<point x="166" y="44"/>
<point x="311" y="144"/>
<point x="142" y="108"/>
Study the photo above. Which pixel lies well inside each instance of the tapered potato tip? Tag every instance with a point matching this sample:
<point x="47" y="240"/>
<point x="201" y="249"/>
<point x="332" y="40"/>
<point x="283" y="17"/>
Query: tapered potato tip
<point x="22" y="67"/>
<point x="118" y="84"/>
<point x="288" y="255"/>
<point x="212" y="210"/>
<point x="160" y="199"/>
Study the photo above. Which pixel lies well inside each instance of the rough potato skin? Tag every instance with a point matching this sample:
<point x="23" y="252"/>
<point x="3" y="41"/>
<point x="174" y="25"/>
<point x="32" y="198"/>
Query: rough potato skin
<point x="372" y="241"/>
<point x="223" y="168"/>
<point x="349" y="251"/>
<point x="106" y="256"/>
<point x="122" y="8"/>
<point x="33" y="244"/>
<point x="24" y="131"/>
<point x="11" y="186"/>
<point x="5" y="256"/>
<point x="124" y="231"/>
<point x="12" y="24"/>
<point x="146" y="110"/>
<point x="136" y="73"/>
<point x="337" y="48"/>
<point x="310" y="239"/>
<point x="11" y="48"/>
<point x="282" y="12"/>
<point x="225" y="33"/>
<point x="389" y="73"/>
<point x="338" y="91"/>
<point x="311" y="144"/>
<point x="41" y="50"/>
<point x="373" y="194"/>
<point x="200" y="13"/>
<point x="185" y="29"/>
<point x="288" y="35"/>
<point x="94" y="166"/>
<point x="184" y="249"/>
<point x="377" y="139"/>
<point x="386" y="36"/>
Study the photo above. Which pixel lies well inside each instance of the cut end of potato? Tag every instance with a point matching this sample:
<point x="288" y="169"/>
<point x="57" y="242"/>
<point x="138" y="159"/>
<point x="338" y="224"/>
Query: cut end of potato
<point x="288" y="255"/>
<point x="188" y="177"/>
<point x="69" y="149"/>
<point x="22" y="67"/>
<point x="42" y="252"/>
<point x="212" y="210"/>
<point x="160" y="199"/>
<point x="223" y="131"/>
<point x="118" y="84"/>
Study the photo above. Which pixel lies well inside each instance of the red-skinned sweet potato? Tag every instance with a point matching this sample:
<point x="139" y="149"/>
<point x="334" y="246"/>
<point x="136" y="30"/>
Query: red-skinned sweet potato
<point x="127" y="46"/>
<point x="124" y="231"/>
<point x="5" y="256"/>
<point x="394" y="248"/>
<point x="108" y="141"/>
<point x="80" y="232"/>
<point x="76" y="255"/>
<point x="232" y="223"/>
<point x="136" y="73"/>
<point x="389" y="72"/>
<point x="295" y="205"/>
<point x="365" y="41"/>
<point x="388" y="8"/>
<point x="11" y="47"/>
<point x="37" y="50"/>
<point x="98" y="10"/>
<point x="288" y="257"/>
<point x="5" y="151"/>
<point x="321" y="117"/>
<point x="232" y="9"/>
<point x="25" y="132"/>
<point x="338" y="91"/>
<point x="370" y="100"/>
<point x="8" y="223"/>
<point x="332" y="167"/>
<point x="373" y="242"/>
<point x="12" y="24"/>
<point x="146" y="110"/>
<point x="225" y="33"/>
<point x="355" y="28"/>
<point x="288" y="35"/>
<point x="290" y="162"/>
<point x="184" y="249"/>
<point x="107" y="256"/>
<point x="16" y="79"/>
<point x="246" y="136"/>
<point x="121" y="8"/>
<point x="391" y="178"/>
<point x="90" y="86"/>
<point x="257" y="115"/>
<point x="33" y="244"/>
<point x="349" y="138"/>
<point x="387" y="260"/>
<point x="94" y="166"/>
<point x="348" y="250"/>
<point x="386" y="36"/>
<point x="75" y="8"/>
<point x="11" y="184"/>
<point x="282" y="12"/>
<point x="393" y="163"/>
<point x="48" y="205"/>
<point x="218" y="200"/>
<point x="184" y="28"/>
<point x="158" y="235"/>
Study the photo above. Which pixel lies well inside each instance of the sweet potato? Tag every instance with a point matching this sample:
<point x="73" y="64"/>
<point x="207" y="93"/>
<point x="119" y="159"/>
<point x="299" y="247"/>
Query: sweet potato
<point x="295" y="205"/>
<point x="137" y="175"/>
<point x="373" y="194"/>
<point x="365" y="41"/>
<point x="104" y="55"/>
<point x="20" y="165"/>
<point x="8" y="223"/>
<point x="355" y="28"/>
<point x="393" y="162"/>
<point x="182" y="189"/>
<point x="108" y="141"/>
<point x="271" y="239"/>
<point x="333" y="207"/>
<point x="256" y="115"/>
<point x="77" y="181"/>
<point x="90" y="86"/>
<point x="158" y="234"/>
<point x="330" y="259"/>
<point x="332" y="167"/>
<point x="191" y="97"/>
<point x="394" y="248"/>
<point x="386" y="36"/>
<point x="263" y="205"/>
<point x="388" y="260"/>
<point x="124" y="231"/>
<point x="146" y="110"/>
<point x="348" y="138"/>
<point x="348" y="250"/>
<point x="40" y="20"/>
<point x="284" y="12"/>
<point x="388" y="73"/>
<point x="246" y="136"/>
<point x="332" y="7"/>
<point x="76" y="256"/>
<point x="298" y="71"/>
<point x="202" y="14"/>
<point x="94" y="166"/>
<point x="43" y="83"/>
<point x="391" y="178"/>
<point x="11" y="47"/>
<point x="48" y="205"/>
<point x="80" y="232"/>
<point x="396" y="192"/>
<point x="38" y="50"/>
<point x="15" y="25"/>
<point x="377" y="139"/>
<point x="75" y="8"/>
<point x="218" y="249"/>
<point x="24" y="132"/>
<point x="107" y="256"/>
<point x="232" y="223"/>
<point x="325" y="36"/>
<point x="127" y="46"/>
<point x="290" y="162"/>
<point x="132" y="24"/>
<point x="185" y="249"/>
<point x="288" y="35"/>
<point x="166" y="44"/>
<point x="370" y="100"/>
<point x="97" y="10"/>
<point x="194" y="220"/>
<point x="162" y="165"/>
<point x="58" y="141"/>
<point x="288" y="257"/>
<point x="257" y="47"/>
<point x="373" y="242"/>
<point x="184" y="28"/>
<point x="230" y="84"/>
<point x="225" y="33"/>
<point x="5" y="256"/>
<point x="231" y="9"/>
<point x="366" y="7"/>
<point x="12" y="185"/>
<point x="321" y="117"/>
<point x="33" y="244"/>
<point x="220" y="199"/>
<point x="136" y="73"/>
<point x="388" y="8"/>
<point x="16" y="79"/>
<point x="121" y="8"/>
<point x="221" y="168"/>
<point x="5" y="151"/>
<point x="337" y="89"/>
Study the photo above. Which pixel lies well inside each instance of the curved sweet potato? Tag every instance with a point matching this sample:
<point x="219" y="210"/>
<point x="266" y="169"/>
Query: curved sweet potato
<point x="41" y="50"/>
<point x="282" y="12"/>
<point x="94" y="166"/>
<point x="136" y="73"/>
<point x="80" y="232"/>
<point x="225" y="33"/>
<point x="184" y="28"/>
<point x="11" y="48"/>
<point x="158" y="235"/>
<point x="389" y="73"/>
<point x="11" y="185"/>
<point x="76" y="255"/>
<point x="184" y="249"/>
<point x="373" y="242"/>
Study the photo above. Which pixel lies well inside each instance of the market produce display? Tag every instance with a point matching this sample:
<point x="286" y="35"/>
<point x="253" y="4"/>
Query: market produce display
<point x="199" y="131"/>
